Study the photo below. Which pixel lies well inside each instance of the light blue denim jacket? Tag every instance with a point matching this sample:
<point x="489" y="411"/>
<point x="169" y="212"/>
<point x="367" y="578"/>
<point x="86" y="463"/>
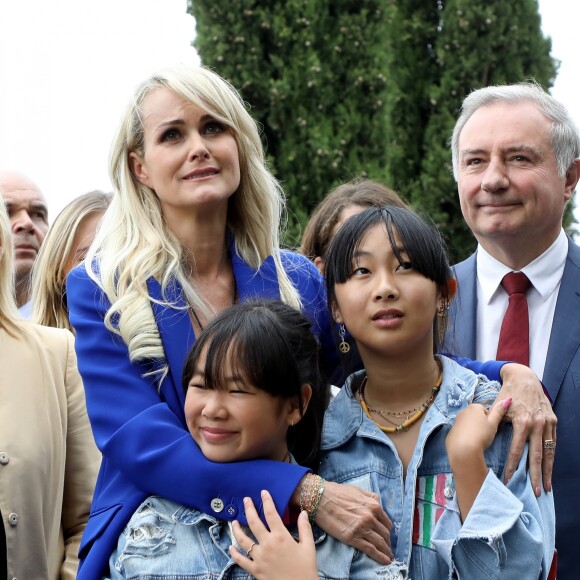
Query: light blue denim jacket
<point x="509" y="533"/>
<point x="164" y="539"/>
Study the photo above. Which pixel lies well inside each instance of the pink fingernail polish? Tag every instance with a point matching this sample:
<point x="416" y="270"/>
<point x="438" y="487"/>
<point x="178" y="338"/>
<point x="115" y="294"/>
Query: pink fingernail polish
<point x="506" y="403"/>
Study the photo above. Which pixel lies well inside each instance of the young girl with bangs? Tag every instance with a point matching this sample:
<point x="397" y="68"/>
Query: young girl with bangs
<point x="415" y="427"/>
<point x="253" y="391"/>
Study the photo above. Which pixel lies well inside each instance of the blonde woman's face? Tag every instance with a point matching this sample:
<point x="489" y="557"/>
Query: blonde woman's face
<point x="190" y="158"/>
<point x="84" y="237"/>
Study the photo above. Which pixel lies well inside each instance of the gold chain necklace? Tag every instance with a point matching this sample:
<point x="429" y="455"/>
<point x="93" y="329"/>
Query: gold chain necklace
<point x="414" y="414"/>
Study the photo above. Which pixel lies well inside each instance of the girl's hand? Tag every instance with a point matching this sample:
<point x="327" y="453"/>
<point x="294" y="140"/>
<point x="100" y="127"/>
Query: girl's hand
<point x="472" y="433"/>
<point x="275" y="555"/>
<point x="356" y="517"/>
<point x="474" y="429"/>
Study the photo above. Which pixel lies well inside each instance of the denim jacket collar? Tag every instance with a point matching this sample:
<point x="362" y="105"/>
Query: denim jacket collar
<point x="345" y="417"/>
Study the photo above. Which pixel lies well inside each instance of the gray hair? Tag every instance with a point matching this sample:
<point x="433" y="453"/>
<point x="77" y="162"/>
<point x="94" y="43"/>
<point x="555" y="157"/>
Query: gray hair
<point x="563" y="135"/>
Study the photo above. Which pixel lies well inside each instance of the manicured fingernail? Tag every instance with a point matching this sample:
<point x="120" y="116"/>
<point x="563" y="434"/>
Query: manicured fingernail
<point x="506" y="403"/>
<point x="538" y="491"/>
<point x="246" y="500"/>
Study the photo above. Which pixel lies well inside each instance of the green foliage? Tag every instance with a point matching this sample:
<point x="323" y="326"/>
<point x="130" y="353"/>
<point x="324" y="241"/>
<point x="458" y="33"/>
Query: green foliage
<point x="344" y="88"/>
<point x="315" y="75"/>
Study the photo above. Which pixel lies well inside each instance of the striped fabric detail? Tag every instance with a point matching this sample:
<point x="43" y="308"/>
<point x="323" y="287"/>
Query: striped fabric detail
<point x="430" y="503"/>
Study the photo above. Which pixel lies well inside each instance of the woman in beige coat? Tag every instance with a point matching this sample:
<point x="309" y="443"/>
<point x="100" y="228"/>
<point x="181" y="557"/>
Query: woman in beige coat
<point x="48" y="459"/>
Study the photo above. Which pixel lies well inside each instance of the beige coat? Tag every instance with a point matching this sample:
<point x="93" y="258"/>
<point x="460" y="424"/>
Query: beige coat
<point x="48" y="458"/>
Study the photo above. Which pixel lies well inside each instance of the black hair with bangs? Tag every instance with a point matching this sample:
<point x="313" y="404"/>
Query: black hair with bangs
<point x="419" y="240"/>
<point x="271" y="347"/>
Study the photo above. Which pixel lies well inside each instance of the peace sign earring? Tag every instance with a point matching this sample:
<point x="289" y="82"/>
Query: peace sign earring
<point x="344" y="347"/>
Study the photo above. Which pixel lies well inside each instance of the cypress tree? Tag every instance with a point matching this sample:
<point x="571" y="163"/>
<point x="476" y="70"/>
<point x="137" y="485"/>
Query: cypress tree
<point x="344" y="88"/>
<point x="314" y="72"/>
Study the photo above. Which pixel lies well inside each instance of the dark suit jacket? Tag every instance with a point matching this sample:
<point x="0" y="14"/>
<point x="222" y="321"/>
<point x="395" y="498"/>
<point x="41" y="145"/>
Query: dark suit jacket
<point x="562" y="381"/>
<point x="140" y="427"/>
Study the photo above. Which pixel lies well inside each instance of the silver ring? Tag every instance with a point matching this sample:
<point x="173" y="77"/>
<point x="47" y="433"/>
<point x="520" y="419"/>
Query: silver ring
<point x="549" y="444"/>
<point x="251" y="548"/>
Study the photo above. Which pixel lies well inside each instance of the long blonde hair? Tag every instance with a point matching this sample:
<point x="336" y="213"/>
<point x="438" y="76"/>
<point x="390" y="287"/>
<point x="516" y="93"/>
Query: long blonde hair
<point x="134" y="242"/>
<point x="9" y="317"/>
<point x="49" y="271"/>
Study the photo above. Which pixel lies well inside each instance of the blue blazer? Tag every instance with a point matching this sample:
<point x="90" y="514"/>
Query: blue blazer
<point x="140" y="428"/>
<point x="562" y="381"/>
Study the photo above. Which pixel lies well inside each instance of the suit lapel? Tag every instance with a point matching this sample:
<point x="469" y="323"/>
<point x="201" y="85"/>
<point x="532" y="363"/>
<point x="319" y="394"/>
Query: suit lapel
<point x="565" y="335"/>
<point x="174" y="324"/>
<point x="176" y="332"/>
<point x="251" y="283"/>
<point x="463" y="312"/>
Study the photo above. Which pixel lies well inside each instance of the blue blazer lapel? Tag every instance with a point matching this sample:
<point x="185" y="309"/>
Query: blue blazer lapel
<point x="463" y="313"/>
<point x="251" y="283"/>
<point x="565" y="335"/>
<point x="177" y="336"/>
<point x="174" y="324"/>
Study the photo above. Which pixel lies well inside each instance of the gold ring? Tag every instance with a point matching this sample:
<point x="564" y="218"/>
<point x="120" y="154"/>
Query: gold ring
<point x="251" y="548"/>
<point x="549" y="444"/>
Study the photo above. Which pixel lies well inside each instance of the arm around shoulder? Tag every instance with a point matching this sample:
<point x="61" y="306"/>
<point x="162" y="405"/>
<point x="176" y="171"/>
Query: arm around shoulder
<point x="139" y="424"/>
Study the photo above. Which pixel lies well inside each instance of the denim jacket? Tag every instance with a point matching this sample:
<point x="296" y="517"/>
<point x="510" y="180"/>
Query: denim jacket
<point x="164" y="539"/>
<point x="508" y="533"/>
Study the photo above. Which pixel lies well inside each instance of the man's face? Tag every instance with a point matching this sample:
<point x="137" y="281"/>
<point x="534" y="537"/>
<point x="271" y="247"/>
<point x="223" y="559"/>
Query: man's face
<point x="509" y="188"/>
<point x="28" y="215"/>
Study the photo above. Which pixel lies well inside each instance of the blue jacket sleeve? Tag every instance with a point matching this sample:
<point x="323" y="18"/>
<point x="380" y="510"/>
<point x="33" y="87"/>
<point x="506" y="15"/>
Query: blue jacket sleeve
<point x="490" y="369"/>
<point x="145" y="445"/>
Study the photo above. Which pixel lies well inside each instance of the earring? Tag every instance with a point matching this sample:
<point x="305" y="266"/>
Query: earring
<point x="443" y="308"/>
<point x="344" y="347"/>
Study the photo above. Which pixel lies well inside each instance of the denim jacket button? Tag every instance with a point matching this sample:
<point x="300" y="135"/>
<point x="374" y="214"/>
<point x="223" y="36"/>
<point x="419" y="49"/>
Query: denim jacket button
<point x="217" y="505"/>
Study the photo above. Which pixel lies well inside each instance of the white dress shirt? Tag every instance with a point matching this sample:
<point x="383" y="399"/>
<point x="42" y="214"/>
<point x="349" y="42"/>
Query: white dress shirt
<point x="545" y="274"/>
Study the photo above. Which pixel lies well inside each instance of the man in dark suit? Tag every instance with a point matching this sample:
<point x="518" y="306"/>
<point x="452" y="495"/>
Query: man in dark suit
<point x="515" y="158"/>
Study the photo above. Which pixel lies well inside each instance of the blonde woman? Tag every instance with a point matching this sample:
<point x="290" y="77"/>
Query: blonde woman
<point x="48" y="459"/>
<point x="193" y="228"/>
<point x="66" y="245"/>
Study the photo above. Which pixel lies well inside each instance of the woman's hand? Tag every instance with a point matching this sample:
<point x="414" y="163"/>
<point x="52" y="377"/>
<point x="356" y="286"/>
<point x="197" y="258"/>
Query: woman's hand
<point x="532" y="418"/>
<point x="355" y="517"/>
<point x="275" y="555"/>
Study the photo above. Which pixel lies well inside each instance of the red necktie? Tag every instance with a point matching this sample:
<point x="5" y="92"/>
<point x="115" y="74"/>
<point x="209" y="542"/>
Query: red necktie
<point x="514" y="337"/>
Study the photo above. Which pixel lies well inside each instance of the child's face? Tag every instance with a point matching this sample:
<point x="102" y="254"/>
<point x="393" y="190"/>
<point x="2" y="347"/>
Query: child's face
<point x="238" y="421"/>
<point x="387" y="307"/>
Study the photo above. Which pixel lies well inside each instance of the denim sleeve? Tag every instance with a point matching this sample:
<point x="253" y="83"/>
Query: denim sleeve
<point x="486" y="392"/>
<point x="508" y="532"/>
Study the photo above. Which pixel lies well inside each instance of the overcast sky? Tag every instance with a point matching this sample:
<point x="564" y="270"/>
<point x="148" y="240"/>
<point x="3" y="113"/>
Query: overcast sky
<point x="67" y="68"/>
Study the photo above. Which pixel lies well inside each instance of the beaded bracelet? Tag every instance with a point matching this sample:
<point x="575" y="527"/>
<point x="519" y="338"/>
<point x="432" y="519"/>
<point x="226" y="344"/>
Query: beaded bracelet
<point x="311" y="492"/>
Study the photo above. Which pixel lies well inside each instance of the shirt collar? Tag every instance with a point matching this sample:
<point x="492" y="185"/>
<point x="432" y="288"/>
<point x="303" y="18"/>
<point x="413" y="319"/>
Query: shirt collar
<point x="545" y="272"/>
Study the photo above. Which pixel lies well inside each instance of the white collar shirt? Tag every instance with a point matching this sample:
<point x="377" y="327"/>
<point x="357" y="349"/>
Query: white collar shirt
<point x="545" y="274"/>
